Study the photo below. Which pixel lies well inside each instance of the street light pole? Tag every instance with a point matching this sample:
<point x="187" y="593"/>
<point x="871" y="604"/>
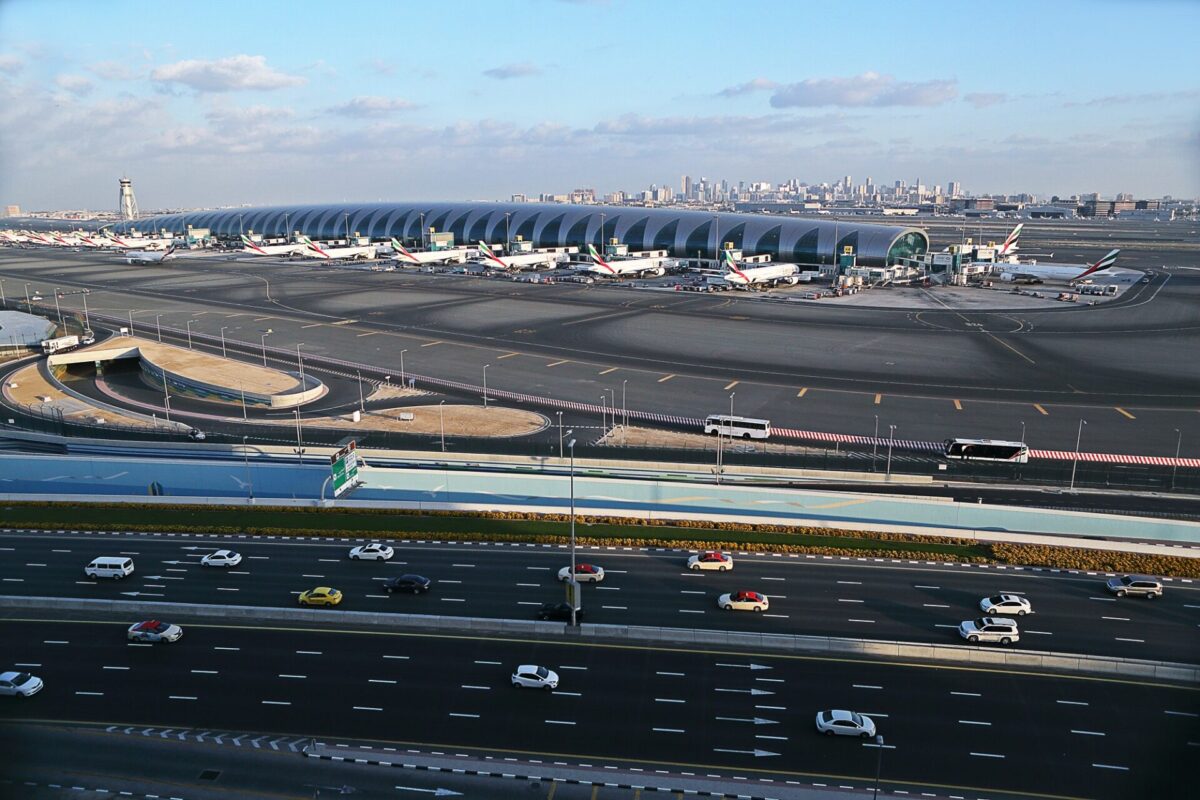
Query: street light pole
<point x="189" y="333"/>
<point x="87" y="321"/>
<point x="57" y="307"/>
<point x="403" y="380"/>
<point x="442" y="422"/>
<point x="485" y="366"/>
<point x="624" y="413"/>
<point x="603" y="414"/>
<point x="878" y="765"/>
<point x="361" y="403"/>
<point x="891" y="439"/>
<point x="266" y="333"/>
<point x="1022" y="431"/>
<point x="571" y="445"/>
<point x="875" y="443"/>
<point x="1075" y="461"/>
<point x="1175" y="466"/>
<point x="299" y="438"/>
<point x="158" y="326"/>
<point x="300" y="364"/>
<point x="560" y="436"/>
<point x="223" y="353"/>
<point x="167" y="399"/>
<point x="131" y="333"/>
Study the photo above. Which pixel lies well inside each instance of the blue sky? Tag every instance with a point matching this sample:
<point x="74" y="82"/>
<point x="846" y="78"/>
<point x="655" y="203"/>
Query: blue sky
<point x="260" y="102"/>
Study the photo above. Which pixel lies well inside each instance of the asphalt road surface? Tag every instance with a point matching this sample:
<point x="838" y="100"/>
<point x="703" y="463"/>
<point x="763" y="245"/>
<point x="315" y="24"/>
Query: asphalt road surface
<point x="1126" y="367"/>
<point x="954" y="731"/>
<point x="913" y="602"/>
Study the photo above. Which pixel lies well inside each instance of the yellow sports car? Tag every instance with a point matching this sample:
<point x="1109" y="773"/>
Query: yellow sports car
<point x="320" y="596"/>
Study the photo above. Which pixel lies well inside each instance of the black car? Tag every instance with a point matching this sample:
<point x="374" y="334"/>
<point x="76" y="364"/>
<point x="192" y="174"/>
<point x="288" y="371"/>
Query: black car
<point x="558" y="611"/>
<point x="407" y="583"/>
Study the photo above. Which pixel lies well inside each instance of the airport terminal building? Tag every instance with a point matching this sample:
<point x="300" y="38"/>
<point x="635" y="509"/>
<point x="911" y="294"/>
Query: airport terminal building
<point x="683" y="233"/>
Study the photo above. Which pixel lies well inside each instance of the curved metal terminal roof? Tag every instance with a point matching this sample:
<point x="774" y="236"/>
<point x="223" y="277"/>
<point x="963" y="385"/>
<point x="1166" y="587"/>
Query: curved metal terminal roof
<point x="797" y="239"/>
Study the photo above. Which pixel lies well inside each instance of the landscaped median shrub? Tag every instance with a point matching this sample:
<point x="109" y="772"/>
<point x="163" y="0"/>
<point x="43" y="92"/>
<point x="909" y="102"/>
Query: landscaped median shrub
<point x="1096" y="560"/>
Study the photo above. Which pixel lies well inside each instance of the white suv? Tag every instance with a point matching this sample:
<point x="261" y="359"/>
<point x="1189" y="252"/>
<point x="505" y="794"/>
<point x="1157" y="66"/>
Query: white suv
<point x="990" y="629"/>
<point x="1136" y="585"/>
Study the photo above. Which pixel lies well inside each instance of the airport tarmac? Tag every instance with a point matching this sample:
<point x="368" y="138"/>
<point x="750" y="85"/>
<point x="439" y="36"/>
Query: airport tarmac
<point x="1126" y="367"/>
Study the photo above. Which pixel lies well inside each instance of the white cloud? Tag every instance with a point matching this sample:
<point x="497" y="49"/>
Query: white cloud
<point x="755" y="85"/>
<point x="75" y="84"/>
<point x="985" y="99"/>
<point x="112" y="71"/>
<point x="1140" y="97"/>
<point x="10" y="64"/>
<point x="867" y="89"/>
<point x="235" y="73"/>
<point x="371" y="106"/>
<point x="522" y="69"/>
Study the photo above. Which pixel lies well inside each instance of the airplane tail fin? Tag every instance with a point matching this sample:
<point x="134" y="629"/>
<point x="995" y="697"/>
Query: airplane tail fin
<point x="1010" y="244"/>
<point x="731" y="267"/>
<point x="1102" y="264"/>
<point x="486" y="253"/>
<point x="600" y="262"/>
<point x="399" y="248"/>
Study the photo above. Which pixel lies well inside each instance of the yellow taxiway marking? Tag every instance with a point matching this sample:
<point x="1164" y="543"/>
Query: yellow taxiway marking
<point x="368" y="333"/>
<point x="1010" y="347"/>
<point x="1041" y="410"/>
<point x="313" y="325"/>
<point x="610" y="369"/>
<point x="431" y="344"/>
<point x="556" y="363"/>
<point x="878" y="398"/>
<point x="802" y="392"/>
<point x="958" y="405"/>
<point x="553" y="789"/>
<point x="666" y="378"/>
<point x="507" y="355"/>
<point x="1126" y="413"/>
<point x="731" y="384"/>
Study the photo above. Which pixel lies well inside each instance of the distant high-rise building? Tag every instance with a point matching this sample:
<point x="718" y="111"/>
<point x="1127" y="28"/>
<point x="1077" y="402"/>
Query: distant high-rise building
<point x="126" y="202"/>
<point x="12" y="211"/>
<point x="687" y="187"/>
<point x="955" y="189"/>
<point x="519" y="198"/>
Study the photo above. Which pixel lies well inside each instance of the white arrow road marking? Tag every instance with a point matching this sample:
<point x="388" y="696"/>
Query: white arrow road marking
<point x="755" y="720"/>
<point x="756" y="753"/>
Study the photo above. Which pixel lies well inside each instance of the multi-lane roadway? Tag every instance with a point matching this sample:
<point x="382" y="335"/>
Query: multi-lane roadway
<point x="861" y="598"/>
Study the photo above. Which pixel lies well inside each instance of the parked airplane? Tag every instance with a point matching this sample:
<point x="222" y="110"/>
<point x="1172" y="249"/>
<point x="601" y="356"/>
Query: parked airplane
<point x="313" y="250"/>
<point x="765" y="275"/>
<point x="456" y="255"/>
<point x="253" y="248"/>
<point x="1068" y="273"/>
<point x="133" y="242"/>
<point x="638" y="267"/>
<point x="518" y="260"/>
<point x="149" y="256"/>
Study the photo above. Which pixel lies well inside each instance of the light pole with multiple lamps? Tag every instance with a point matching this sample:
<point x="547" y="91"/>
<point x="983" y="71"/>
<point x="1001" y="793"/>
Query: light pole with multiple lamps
<point x="362" y="407"/>
<point x="1075" y="461"/>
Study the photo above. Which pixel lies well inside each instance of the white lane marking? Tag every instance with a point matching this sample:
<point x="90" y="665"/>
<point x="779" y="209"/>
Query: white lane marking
<point x="453" y="599"/>
<point x="1117" y="619"/>
<point x="60" y="551"/>
<point x="1189" y="605"/>
<point x="1181" y="714"/>
<point x="939" y="625"/>
<point x="55" y="641"/>
<point x="568" y="694"/>
<point x="667" y="674"/>
<point x="1104" y="599"/>
<point x="489" y="663"/>
<point x="175" y="569"/>
<point x="381" y="680"/>
<point x="668" y="730"/>
<point x="987" y="755"/>
<point x="398" y="658"/>
<point x="1040" y="633"/>
<point x="771" y="680"/>
<point x="923" y="586"/>
<point x="120" y="668"/>
<point x="776" y="616"/>
<point x="542" y="569"/>
<point x="690" y="591"/>
<point x="330" y="560"/>
<point x="233" y="649"/>
<point x="558" y="722"/>
<point x="608" y="588"/>
<point x="26" y="664"/>
<point x="668" y="700"/>
<point x="260" y="558"/>
<point x="462" y="565"/>
<point x="689" y="611"/>
<point x="306" y="575"/>
<point x="843" y="600"/>
<point x="852" y="583"/>
<point x="308" y="652"/>
<point x="465" y="716"/>
<point x="1123" y="639"/>
<point x="934" y="605"/>
<point x="377" y="596"/>
<point x="861" y="620"/>
<point x="616" y="608"/>
<point x="444" y="580"/>
<point x="297" y="677"/>
<point x="563" y="666"/>
<point x="865" y="686"/>
<point x="618" y="571"/>
<point x="276" y="702"/>
<point x="472" y="686"/>
<point x="367" y="708"/>
<point x="1111" y="766"/>
<point x="773" y="708"/>
<point x="91" y="694"/>
<point x="772" y="579"/>
<point x="973" y="722"/>
<point x="528" y="603"/>
<point x="138" y="644"/>
<point x="534" y="585"/>
<point x="776" y="738"/>
<point x="205" y="672"/>
<point x="1071" y="702"/>
<point x="1087" y="733"/>
<point x="35" y="564"/>
<point x="967" y="694"/>
<point x="180" y="697"/>
<point x="225" y="589"/>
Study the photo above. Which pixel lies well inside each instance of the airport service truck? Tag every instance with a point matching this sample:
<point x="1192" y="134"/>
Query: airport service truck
<point x="59" y="345"/>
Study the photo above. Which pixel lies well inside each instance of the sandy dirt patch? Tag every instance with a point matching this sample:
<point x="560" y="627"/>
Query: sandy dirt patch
<point x="635" y="436"/>
<point x="32" y="387"/>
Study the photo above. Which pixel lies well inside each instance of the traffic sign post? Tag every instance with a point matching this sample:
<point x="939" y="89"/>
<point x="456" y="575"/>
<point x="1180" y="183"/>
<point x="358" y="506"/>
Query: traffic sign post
<point x="344" y="465"/>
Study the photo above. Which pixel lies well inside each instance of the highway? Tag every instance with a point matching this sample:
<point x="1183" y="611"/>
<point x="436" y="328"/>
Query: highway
<point x="846" y="598"/>
<point x="831" y="367"/>
<point x="679" y="710"/>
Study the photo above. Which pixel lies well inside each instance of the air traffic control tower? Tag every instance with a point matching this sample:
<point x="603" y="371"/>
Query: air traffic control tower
<point x="126" y="202"/>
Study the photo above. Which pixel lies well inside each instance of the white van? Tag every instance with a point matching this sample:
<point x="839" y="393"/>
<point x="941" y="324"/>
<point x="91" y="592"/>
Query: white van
<point x="109" y="567"/>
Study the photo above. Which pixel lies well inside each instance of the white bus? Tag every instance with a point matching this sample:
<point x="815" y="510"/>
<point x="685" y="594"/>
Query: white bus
<point x="737" y="427"/>
<point x="986" y="450"/>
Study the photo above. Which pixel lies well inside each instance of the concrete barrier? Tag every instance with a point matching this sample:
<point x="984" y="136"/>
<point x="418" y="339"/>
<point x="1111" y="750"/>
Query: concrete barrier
<point x="787" y="643"/>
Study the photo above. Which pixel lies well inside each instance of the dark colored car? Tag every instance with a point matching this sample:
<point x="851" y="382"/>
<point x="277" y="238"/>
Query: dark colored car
<point x="417" y="584"/>
<point x="558" y="611"/>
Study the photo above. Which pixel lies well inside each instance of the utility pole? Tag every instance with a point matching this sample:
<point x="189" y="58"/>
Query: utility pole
<point x="1075" y="462"/>
<point x="571" y="445"/>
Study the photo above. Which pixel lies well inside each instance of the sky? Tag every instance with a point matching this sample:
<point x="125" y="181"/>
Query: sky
<point x="225" y="103"/>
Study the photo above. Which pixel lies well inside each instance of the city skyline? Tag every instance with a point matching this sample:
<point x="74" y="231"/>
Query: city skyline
<point x="547" y="96"/>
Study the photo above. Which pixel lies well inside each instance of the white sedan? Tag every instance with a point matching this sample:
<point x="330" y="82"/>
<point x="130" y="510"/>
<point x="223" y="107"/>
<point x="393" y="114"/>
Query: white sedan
<point x="221" y="558"/>
<point x="531" y="676"/>
<point x="584" y="573"/>
<point x="19" y="684"/>
<point x="845" y="723"/>
<point x="1003" y="604"/>
<point x="711" y="560"/>
<point x="744" y="601"/>
<point x="372" y="552"/>
<point x="154" y="631"/>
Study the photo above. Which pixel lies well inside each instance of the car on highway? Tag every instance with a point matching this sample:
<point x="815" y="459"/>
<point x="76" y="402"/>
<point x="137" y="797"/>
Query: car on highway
<point x="531" y="676"/>
<point x="372" y="552"/>
<point x="1006" y="604"/>
<point x="560" y="612"/>
<point x="153" y="630"/>
<point x="320" y="596"/>
<point x="584" y="573"/>
<point x="19" y="684"/>
<point x="711" y="560"/>
<point x="838" y="722"/>
<point x="115" y="567"/>
<point x="221" y="558"/>
<point x="196" y="435"/>
<point x="744" y="600"/>
<point x="990" y="629"/>
<point x="417" y="584"/>
<point x="1137" y="585"/>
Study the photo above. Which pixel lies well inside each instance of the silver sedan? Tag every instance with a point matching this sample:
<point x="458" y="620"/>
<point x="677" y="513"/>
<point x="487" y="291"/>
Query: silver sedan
<point x="1002" y="604"/>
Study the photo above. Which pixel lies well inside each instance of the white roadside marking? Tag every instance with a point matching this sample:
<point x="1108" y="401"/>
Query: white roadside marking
<point x="489" y="663"/>
<point x="1123" y="639"/>
<point x="180" y="697"/>
<point x="967" y="694"/>
<point x="465" y="716"/>
<point x="367" y="708"/>
<point x="308" y="652"/>
<point x="1087" y="733"/>
<point x="1181" y="714"/>
<point x="666" y="674"/>
<point x="480" y="688"/>
<point x="668" y="730"/>
<point x="276" y="702"/>
<point x="558" y="722"/>
<point x="987" y="755"/>
<point x="864" y="686"/>
<point x="117" y="668"/>
<point x="1111" y="766"/>
<point x="973" y="722"/>
<point x="852" y="583"/>
<point x="205" y="672"/>
<point x="297" y="677"/>
<point x="232" y="649"/>
<point x="668" y="700"/>
<point x="1071" y="702"/>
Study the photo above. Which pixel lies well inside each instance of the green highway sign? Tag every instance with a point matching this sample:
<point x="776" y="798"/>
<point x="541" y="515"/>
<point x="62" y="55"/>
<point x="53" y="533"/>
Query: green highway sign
<point x="344" y="464"/>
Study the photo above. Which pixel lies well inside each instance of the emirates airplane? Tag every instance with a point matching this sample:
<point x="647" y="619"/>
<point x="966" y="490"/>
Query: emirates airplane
<point x="1067" y="273"/>
<point x="767" y="274"/>
<point x="638" y="267"/>
<point x="255" y="249"/>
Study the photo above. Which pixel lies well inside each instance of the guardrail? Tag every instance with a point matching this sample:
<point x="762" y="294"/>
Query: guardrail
<point x="636" y="634"/>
